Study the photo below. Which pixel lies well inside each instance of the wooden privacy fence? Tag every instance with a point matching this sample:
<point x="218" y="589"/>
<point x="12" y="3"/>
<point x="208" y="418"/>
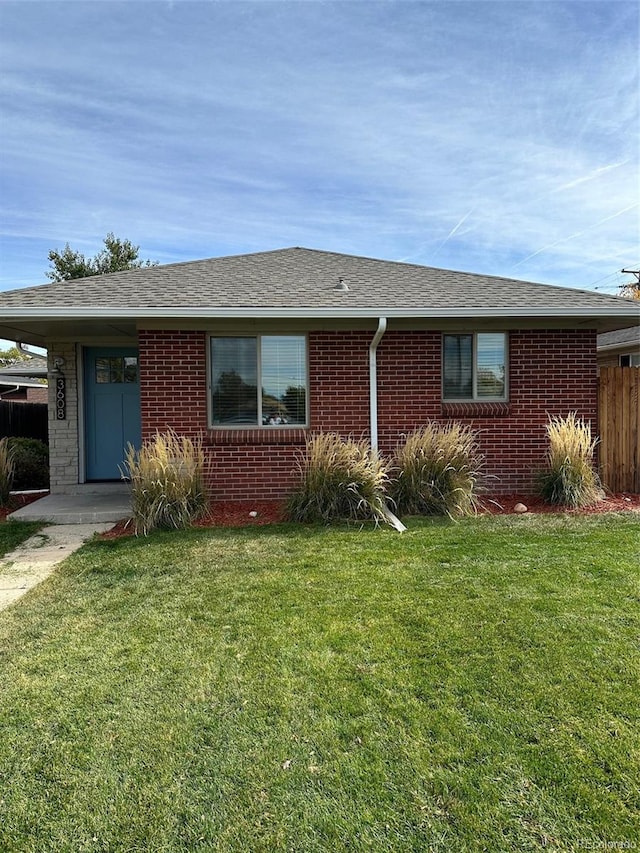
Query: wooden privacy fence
<point x="28" y="420"/>
<point x="619" y="428"/>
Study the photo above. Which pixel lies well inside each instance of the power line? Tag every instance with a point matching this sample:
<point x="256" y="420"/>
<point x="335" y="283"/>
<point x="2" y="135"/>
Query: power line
<point x="604" y="277"/>
<point x="619" y="283"/>
<point x="633" y="272"/>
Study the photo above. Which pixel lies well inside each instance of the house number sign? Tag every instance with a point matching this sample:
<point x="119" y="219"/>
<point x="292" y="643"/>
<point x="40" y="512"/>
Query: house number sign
<point x="61" y="398"/>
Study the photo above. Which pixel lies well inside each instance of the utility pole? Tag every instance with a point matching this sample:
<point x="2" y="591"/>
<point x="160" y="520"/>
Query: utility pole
<point x="631" y="288"/>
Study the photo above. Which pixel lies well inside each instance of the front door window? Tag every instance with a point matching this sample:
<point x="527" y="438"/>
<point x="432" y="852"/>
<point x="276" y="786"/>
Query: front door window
<point x="116" y="369"/>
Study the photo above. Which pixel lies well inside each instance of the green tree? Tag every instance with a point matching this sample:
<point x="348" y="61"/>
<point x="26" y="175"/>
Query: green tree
<point x="116" y="256"/>
<point x="233" y="398"/>
<point x="295" y="399"/>
<point x="11" y="356"/>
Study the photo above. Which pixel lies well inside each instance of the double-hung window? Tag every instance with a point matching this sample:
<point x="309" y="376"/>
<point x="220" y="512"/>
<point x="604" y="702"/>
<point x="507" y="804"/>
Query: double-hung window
<point x="259" y="381"/>
<point x="474" y="366"/>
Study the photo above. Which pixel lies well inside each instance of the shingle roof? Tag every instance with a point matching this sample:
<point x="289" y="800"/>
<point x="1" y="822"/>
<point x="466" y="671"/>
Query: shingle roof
<point x="35" y="366"/>
<point x="620" y="337"/>
<point x="300" y="278"/>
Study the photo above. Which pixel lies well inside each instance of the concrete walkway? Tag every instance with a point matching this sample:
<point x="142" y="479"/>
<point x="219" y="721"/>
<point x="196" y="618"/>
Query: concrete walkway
<point x="36" y="558"/>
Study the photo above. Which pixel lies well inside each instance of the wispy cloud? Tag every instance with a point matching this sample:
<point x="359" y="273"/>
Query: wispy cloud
<point x="596" y="173"/>
<point x="487" y="136"/>
<point x="578" y="234"/>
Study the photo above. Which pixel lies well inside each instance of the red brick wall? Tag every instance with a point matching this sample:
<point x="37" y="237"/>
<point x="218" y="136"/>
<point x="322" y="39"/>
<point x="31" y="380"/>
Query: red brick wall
<point x="550" y="372"/>
<point x="339" y="382"/>
<point x="38" y="395"/>
<point x="173" y="382"/>
<point x="242" y="464"/>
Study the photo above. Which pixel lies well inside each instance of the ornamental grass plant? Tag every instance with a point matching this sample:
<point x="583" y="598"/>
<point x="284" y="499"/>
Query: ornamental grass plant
<point x="570" y="478"/>
<point x="339" y="479"/>
<point x="6" y="470"/>
<point x="438" y="471"/>
<point x="167" y="482"/>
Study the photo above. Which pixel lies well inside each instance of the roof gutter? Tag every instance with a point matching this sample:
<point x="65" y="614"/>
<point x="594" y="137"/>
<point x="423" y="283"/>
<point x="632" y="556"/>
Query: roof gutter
<point x="635" y="344"/>
<point x="209" y="312"/>
<point x="23" y="349"/>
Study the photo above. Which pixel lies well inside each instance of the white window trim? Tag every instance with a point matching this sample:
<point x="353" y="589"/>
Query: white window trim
<point x="258" y="336"/>
<point x="634" y="359"/>
<point x="474" y="377"/>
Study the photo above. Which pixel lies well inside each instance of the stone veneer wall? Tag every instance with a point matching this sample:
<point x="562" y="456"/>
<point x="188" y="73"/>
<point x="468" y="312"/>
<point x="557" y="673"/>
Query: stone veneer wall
<point x="63" y="434"/>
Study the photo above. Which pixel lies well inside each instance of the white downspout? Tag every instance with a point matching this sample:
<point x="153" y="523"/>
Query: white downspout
<point x="9" y="391"/>
<point x="373" y="381"/>
<point x="373" y="407"/>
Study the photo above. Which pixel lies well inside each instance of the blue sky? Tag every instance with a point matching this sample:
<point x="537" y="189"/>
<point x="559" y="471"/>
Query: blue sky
<point x="496" y="137"/>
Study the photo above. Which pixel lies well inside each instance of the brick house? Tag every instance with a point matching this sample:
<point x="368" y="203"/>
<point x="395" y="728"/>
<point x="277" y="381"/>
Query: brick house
<point x="255" y="352"/>
<point x="620" y="348"/>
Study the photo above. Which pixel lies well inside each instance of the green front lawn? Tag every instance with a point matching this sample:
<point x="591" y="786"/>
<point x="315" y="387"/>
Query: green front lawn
<point x="460" y="687"/>
<point x="14" y="533"/>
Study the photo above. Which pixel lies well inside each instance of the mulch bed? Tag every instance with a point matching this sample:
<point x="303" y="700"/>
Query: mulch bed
<point x="505" y="505"/>
<point x="18" y="501"/>
<point x="257" y="513"/>
<point x="221" y="514"/>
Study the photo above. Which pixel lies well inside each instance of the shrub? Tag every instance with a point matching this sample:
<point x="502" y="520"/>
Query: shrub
<point x="570" y="478"/>
<point x="438" y="471"/>
<point x="339" y="479"/>
<point x="167" y="482"/>
<point x="6" y="470"/>
<point x="31" y="463"/>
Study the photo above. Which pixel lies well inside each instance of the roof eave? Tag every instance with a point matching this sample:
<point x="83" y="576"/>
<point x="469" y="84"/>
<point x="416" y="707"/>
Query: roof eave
<point x="622" y="345"/>
<point x="187" y="313"/>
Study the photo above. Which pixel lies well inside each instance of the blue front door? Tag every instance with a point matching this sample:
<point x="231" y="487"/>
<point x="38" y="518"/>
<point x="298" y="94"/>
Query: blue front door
<point x="112" y="409"/>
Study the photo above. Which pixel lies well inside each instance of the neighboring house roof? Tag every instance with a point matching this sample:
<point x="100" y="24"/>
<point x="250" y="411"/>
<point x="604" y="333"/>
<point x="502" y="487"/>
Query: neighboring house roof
<point x="620" y="339"/>
<point x="294" y="282"/>
<point x="20" y="381"/>
<point x="35" y="367"/>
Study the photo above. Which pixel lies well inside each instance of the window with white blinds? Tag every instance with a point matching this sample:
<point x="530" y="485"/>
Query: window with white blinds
<point x="474" y="366"/>
<point x="259" y="381"/>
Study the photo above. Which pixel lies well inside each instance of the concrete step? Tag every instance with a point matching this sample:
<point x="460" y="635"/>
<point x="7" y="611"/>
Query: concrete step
<point x="87" y="508"/>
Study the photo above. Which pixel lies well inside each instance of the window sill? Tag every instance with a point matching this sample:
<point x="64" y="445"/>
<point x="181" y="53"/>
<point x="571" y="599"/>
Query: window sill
<point x="259" y="435"/>
<point x="476" y="410"/>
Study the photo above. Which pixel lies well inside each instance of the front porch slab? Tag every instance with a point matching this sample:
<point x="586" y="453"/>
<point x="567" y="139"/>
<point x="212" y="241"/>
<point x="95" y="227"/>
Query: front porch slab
<point x="86" y="507"/>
